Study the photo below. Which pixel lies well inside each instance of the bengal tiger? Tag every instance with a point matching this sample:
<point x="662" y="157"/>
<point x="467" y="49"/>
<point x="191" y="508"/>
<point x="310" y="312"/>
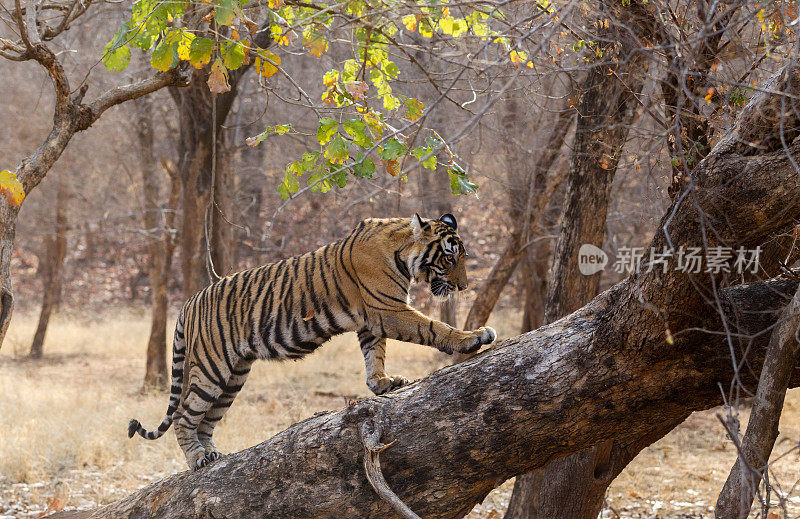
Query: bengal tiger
<point x="286" y="310"/>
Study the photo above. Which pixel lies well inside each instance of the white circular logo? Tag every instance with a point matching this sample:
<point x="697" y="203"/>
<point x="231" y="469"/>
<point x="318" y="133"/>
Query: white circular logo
<point x="591" y="259"/>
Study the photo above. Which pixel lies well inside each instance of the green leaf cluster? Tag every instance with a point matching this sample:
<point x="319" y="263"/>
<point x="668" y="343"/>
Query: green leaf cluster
<point x="361" y="89"/>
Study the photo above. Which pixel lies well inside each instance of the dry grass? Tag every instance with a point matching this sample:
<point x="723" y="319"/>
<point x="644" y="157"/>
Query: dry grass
<point x="63" y="426"/>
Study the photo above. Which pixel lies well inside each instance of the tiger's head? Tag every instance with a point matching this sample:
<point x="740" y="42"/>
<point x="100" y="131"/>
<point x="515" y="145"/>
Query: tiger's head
<point x="440" y="256"/>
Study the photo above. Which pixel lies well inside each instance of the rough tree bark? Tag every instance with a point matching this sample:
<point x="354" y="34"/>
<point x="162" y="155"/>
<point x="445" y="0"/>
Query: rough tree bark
<point x="205" y="178"/>
<point x="574" y="487"/>
<point x="70" y="116"/>
<point x="465" y="429"/>
<point x="158" y="224"/>
<point x="605" y="372"/>
<point x="51" y="263"/>
<point x="199" y="179"/>
<point x="751" y="465"/>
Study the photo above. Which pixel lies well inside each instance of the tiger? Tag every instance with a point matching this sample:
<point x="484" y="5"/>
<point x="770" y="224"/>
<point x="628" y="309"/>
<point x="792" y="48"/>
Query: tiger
<point x="288" y="309"/>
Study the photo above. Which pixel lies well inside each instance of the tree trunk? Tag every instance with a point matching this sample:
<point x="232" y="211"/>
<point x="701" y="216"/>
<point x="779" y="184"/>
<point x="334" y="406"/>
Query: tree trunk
<point x="202" y="175"/>
<point x="534" y="271"/>
<point x="50" y="267"/>
<point x="539" y="185"/>
<point x="203" y="168"/>
<point x="533" y="399"/>
<point x="156" y="366"/>
<point x="574" y="487"/>
<point x="752" y="464"/>
<point x="160" y="248"/>
<point x="611" y="371"/>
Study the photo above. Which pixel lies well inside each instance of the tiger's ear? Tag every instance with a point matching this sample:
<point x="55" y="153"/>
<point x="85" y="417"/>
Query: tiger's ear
<point x="419" y="226"/>
<point x="449" y="220"/>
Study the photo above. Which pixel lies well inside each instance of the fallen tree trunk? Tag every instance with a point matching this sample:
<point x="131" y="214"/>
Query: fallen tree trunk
<point x="466" y="428"/>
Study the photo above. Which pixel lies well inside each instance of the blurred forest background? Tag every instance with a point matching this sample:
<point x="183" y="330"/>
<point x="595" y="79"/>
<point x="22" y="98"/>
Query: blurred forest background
<point x="112" y="242"/>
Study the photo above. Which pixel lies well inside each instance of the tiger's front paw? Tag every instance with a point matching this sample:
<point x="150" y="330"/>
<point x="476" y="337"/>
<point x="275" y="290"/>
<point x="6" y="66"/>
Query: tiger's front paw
<point x="382" y="385"/>
<point x="481" y="336"/>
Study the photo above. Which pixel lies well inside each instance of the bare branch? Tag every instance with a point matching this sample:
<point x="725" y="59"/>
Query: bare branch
<point x="372" y="466"/>
<point x="175" y="77"/>
<point x="23" y="32"/>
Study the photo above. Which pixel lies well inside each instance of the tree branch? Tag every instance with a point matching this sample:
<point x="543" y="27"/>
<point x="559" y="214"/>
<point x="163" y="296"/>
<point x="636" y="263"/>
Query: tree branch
<point x="762" y="429"/>
<point x="370" y="437"/>
<point x="176" y="77"/>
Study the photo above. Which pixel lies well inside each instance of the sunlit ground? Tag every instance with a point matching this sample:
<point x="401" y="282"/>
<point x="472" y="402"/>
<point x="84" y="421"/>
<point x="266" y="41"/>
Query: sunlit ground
<point x="63" y="441"/>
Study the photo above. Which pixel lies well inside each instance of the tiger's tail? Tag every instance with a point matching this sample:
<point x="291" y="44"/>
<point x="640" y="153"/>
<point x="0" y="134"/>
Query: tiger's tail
<point x="178" y="358"/>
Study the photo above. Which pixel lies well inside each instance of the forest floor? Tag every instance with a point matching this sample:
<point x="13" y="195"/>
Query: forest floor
<point x="63" y="441"/>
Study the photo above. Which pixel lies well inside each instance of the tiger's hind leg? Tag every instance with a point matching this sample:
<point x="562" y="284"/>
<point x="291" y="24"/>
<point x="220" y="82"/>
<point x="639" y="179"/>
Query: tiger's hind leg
<point x="205" y="430"/>
<point x="190" y="413"/>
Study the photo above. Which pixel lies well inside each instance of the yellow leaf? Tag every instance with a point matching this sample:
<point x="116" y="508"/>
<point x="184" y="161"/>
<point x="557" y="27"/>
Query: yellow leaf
<point x="374" y="122"/>
<point x="316" y="44"/>
<point x="218" y="78"/>
<point x="275" y="4"/>
<point x="11" y="187"/>
<point x="330" y="78"/>
<point x="446" y="24"/>
<point x="267" y="63"/>
<point x="518" y="56"/>
<point x="426" y="30"/>
<point x="183" y="45"/>
<point x="410" y="21"/>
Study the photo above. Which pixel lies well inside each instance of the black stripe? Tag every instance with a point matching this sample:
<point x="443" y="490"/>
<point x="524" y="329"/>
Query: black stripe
<point x="401" y="266"/>
<point x="194" y="388"/>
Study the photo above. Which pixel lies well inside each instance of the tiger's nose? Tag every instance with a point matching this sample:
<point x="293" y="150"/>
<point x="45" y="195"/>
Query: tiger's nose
<point x="462" y="286"/>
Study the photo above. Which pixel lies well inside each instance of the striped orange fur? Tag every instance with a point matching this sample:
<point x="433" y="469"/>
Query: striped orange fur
<point x="286" y="310"/>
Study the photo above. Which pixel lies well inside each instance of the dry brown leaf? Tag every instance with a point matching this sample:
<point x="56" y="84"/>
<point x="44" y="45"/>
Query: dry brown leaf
<point x="56" y="504"/>
<point x="392" y="167"/>
<point x="218" y="78"/>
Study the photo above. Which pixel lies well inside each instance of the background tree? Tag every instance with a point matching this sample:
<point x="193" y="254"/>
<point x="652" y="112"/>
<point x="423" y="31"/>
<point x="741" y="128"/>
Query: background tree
<point x="51" y="263"/>
<point x="31" y="35"/>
